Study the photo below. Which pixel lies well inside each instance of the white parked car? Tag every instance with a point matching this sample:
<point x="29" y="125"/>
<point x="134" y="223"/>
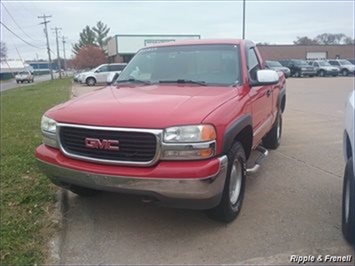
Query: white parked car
<point x="345" y="67"/>
<point x="348" y="182"/>
<point x="99" y="74"/>
<point x="24" y="76"/>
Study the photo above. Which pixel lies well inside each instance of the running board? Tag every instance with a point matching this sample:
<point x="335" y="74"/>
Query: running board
<point x="264" y="153"/>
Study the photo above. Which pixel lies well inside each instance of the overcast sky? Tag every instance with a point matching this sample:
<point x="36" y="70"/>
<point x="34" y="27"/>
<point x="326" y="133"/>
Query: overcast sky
<point x="278" y="22"/>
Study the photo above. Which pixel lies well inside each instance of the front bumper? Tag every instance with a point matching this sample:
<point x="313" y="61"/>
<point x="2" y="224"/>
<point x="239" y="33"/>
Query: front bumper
<point x="186" y="192"/>
<point x="308" y="72"/>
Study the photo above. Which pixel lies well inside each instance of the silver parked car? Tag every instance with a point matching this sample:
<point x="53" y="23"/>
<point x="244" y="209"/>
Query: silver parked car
<point x="275" y="65"/>
<point x="345" y="67"/>
<point x="323" y="68"/>
<point x="99" y="74"/>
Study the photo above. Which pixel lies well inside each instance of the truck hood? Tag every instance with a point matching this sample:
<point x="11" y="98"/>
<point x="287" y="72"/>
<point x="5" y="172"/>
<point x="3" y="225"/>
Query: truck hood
<point x="152" y="106"/>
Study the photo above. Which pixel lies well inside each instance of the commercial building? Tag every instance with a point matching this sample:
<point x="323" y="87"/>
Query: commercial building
<point x="41" y="67"/>
<point x="308" y="52"/>
<point x="9" y="68"/>
<point x="121" y="48"/>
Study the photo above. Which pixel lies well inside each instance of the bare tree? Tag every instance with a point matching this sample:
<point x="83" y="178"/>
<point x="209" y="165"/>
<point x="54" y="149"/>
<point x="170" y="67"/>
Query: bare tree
<point x="305" y="41"/>
<point x="330" y="38"/>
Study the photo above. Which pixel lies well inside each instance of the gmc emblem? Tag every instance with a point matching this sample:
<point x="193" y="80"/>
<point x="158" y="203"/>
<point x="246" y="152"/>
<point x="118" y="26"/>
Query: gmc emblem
<point x="105" y="144"/>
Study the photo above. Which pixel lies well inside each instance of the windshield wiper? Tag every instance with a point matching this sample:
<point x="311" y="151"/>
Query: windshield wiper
<point x="184" y="81"/>
<point x="133" y="81"/>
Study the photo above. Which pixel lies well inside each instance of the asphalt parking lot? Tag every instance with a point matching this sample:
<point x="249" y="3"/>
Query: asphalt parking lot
<point x="292" y="205"/>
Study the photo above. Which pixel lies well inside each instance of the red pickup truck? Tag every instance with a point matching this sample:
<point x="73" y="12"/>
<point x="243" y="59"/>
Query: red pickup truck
<point x="177" y="127"/>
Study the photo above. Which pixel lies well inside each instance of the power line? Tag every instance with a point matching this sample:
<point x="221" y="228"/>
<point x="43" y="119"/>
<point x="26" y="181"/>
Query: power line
<point x="6" y="27"/>
<point x="13" y="19"/>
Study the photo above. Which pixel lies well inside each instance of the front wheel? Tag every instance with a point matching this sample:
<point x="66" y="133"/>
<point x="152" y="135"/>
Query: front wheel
<point x="273" y="138"/>
<point x="297" y="74"/>
<point x="233" y="193"/>
<point x="90" y="81"/>
<point x="321" y="73"/>
<point x="83" y="191"/>
<point x="348" y="203"/>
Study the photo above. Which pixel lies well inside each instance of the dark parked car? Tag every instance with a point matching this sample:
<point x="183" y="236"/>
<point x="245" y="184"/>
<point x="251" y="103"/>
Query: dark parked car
<point x="299" y="67"/>
<point x="323" y="68"/>
<point x="275" y="65"/>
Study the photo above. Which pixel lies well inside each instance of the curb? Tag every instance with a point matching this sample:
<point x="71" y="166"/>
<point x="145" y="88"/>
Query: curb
<point x="57" y="241"/>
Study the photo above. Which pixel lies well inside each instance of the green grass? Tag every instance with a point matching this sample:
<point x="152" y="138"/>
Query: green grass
<point x="27" y="196"/>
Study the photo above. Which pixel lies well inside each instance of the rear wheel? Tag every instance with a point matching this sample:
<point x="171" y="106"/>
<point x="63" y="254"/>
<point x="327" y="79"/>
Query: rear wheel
<point x="297" y="74"/>
<point x="348" y="203"/>
<point x="273" y="137"/>
<point x="345" y="72"/>
<point x="233" y="193"/>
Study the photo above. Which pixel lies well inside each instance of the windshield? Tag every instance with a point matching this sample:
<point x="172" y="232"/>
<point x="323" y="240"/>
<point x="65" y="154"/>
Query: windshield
<point x="23" y="73"/>
<point x="273" y="64"/>
<point x="345" y="62"/>
<point x="209" y="64"/>
<point x="324" y="63"/>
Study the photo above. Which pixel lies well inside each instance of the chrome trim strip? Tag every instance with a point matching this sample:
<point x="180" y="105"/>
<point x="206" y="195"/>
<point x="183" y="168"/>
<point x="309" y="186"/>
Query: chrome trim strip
<point x="156" y="132"/>
<point x="181" y="188"/>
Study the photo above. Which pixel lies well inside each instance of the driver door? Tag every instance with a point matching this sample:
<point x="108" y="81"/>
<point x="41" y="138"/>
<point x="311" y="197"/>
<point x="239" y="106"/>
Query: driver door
<point x="261" y="99"/>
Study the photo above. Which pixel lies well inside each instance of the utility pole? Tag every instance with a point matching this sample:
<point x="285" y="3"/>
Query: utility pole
<point x="243" y="19"/>
<point x="45" y="22"/>
<point x="65" y="59"/>
<point x="56" y="29"/>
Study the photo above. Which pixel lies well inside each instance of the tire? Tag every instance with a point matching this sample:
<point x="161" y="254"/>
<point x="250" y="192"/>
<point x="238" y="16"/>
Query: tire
<point x="311" y="76"/>
<point x="234" y="188"/>
<point x="347" y="223"/>
<point x="321" y="73"/>
<point x="297" y="74"/>
<point x="90" y="81"/>
<point x="345" y="72"/>
<point x="82" y="191"/>
<point x="17" y="81"/>
<point x="273" y="138"/>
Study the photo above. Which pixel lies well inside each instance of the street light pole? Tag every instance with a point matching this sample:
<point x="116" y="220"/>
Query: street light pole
<point x="243" y="19"/>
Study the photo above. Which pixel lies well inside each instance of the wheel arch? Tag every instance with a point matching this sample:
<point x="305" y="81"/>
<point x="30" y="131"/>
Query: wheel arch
<point x="87" y="77"/>
<point x="241" y="130"/>
<point x="348" y="151"/>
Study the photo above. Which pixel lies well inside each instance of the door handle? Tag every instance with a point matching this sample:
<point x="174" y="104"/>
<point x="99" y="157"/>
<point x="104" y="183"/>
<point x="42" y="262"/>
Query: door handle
<point x="268" y="92"/>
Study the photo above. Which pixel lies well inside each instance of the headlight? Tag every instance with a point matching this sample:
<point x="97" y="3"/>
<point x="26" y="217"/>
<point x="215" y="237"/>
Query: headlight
<point x="49" y="129"/>
<point x="189" y="142"/>
<point x="195" y="133"/>
<point x="48" y="125"/>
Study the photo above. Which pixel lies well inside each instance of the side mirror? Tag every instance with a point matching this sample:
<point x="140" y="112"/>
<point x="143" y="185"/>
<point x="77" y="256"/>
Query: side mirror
<point x="97" y="71"/>
<point x="265" y="77"/>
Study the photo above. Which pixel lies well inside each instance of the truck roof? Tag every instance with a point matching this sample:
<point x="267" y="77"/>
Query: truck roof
<point x="195" y="42"/>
